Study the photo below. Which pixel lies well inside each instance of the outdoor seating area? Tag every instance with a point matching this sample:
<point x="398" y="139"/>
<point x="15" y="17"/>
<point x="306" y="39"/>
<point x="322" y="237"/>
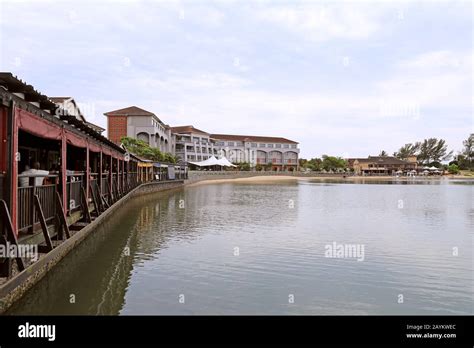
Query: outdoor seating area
<point x="58" y="173"/>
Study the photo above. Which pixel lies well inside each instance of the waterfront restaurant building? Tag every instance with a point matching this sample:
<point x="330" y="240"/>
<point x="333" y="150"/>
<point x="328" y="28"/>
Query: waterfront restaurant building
<point x="58" y="174"/>
<point x="39" y="136"/>
<point x="382" y="165"/>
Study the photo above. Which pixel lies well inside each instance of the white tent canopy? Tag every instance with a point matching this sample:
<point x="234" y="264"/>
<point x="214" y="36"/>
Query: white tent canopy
<point x="212" y="161"/>
<point x="225" y="162"/>
<point x="433" y="168"/>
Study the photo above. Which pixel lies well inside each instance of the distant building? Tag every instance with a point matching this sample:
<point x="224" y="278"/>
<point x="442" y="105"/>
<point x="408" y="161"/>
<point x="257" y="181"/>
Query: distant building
<point x="141" y="124"/>
<point x="193" y="144"/>
<point x="381" y="165"/>
<point x="68" y="105"/>
<point x="281" y="153"/>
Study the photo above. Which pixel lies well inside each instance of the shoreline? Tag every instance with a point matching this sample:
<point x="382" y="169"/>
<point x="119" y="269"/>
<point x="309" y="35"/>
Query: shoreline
<point x="267" y="179"/>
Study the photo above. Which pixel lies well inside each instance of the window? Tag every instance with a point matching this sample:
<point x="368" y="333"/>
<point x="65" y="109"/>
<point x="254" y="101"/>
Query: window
<point x="220" y="143"/>
<point x="278" y="146"/>
<point x="239" y="143"/>
<point x="254" y="144"/>
<point x="269" y="145"/>
<point x="293" y="146"/>
<point x="230" y="143"/>
<point x="286" y="146"/>
<point x="262" y="145"/>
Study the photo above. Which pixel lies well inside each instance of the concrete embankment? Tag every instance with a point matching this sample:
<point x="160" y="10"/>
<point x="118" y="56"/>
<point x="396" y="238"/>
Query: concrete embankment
<point x="18" y="285"/>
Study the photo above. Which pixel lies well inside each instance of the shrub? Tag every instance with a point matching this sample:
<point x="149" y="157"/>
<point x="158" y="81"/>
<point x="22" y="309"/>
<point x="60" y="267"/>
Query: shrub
<point x="453" y="169"/>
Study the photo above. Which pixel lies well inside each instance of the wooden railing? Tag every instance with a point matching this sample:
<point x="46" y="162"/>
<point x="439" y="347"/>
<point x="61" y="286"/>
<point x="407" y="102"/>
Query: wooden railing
<point x="2" y="182"/>
<point x="27" y="216"/>
<point x="74" y="185"/>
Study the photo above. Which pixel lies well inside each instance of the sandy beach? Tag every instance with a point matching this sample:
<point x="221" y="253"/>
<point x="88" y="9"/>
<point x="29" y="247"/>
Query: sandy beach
<point x="267" y="179"/>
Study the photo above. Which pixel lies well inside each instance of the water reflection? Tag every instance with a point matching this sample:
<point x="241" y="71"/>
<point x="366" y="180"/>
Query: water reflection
<point x="243" y="249"/>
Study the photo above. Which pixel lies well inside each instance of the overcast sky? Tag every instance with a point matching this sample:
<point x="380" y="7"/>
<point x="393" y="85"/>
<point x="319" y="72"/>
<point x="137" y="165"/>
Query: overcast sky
<point x="341" y="78"/>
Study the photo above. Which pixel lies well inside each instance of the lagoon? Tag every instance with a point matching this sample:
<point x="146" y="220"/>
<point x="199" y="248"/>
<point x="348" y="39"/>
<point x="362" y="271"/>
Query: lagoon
<point x="261" y="248"/>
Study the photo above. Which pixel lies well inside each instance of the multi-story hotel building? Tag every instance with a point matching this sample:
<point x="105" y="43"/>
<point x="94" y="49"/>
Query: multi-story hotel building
<point x="191" y="144"/>
<point x="281" y="153"/>
<point x="140" y="124"/>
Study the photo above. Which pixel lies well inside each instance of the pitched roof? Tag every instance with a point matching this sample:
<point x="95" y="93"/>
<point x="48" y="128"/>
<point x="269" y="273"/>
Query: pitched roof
<point x="95" y="127"/>
<point x="186" y="129"/>
<point x="59" y="99"/>
<point x="130" y="111"/>
<point x="382" y="160"/>
<point x="255" y="138"/>
<point x="47" y="108"/>
<point x="62" y="102"/>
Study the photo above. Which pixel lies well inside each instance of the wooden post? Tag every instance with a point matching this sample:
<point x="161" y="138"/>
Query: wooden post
<point x="62" y="216"/>
<point x="10" y="235"/>
<point x="32" y="207"/>
<point x="63" y="171"/>
<point x="98" y="194"/>
<point x="111" y="163"/>
<point x="111" y="199"/>
<point x="94" y="200"/>
<point x="85" y="206"/>
<point x="15" y="158"/>
<point x="99" y="178"/>
<point x="44" y="227"/>
<point x="88" y="173"/>
<point x="118" y="177"/>
<point x="123" y="177"/>
<point x="117" y="195"/>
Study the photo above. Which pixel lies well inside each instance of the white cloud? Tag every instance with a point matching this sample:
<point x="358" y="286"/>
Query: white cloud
<point x="438" y="59"/>
<point x="437" y="79"/>
<point x="319" y="22"/>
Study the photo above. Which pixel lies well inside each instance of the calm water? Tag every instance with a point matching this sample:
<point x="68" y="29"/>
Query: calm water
<point x="190" y="254"/>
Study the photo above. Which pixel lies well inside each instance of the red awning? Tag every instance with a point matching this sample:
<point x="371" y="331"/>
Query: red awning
<point x="95" y="148"/>
<point x="36" y="125"/>
<point x="75" y="140"/>
<point x="42" y="128"/>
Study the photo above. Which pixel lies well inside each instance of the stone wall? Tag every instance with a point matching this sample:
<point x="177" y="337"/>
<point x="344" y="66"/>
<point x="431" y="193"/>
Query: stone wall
<point x="17" y="286"/>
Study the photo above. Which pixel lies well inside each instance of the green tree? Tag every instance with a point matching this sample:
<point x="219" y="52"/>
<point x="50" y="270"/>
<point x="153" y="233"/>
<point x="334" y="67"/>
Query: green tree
<point x="433" y="150"/>
<point x="142" y="149"/>
<point x="333" y="163"/>
<point x="407" y="150"/>
<point x="244" y="166"/>
<point x="303" y="162"/>
<point x="468" y="151"/>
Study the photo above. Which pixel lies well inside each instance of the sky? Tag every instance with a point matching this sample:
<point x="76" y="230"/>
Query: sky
<point x="341" y="78"/>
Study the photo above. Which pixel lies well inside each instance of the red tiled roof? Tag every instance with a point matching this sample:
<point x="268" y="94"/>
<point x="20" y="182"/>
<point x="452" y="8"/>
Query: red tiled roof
<point x="252" y="138"/>
<point x="187" y="129"/>
<point x="130" y="111"/>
